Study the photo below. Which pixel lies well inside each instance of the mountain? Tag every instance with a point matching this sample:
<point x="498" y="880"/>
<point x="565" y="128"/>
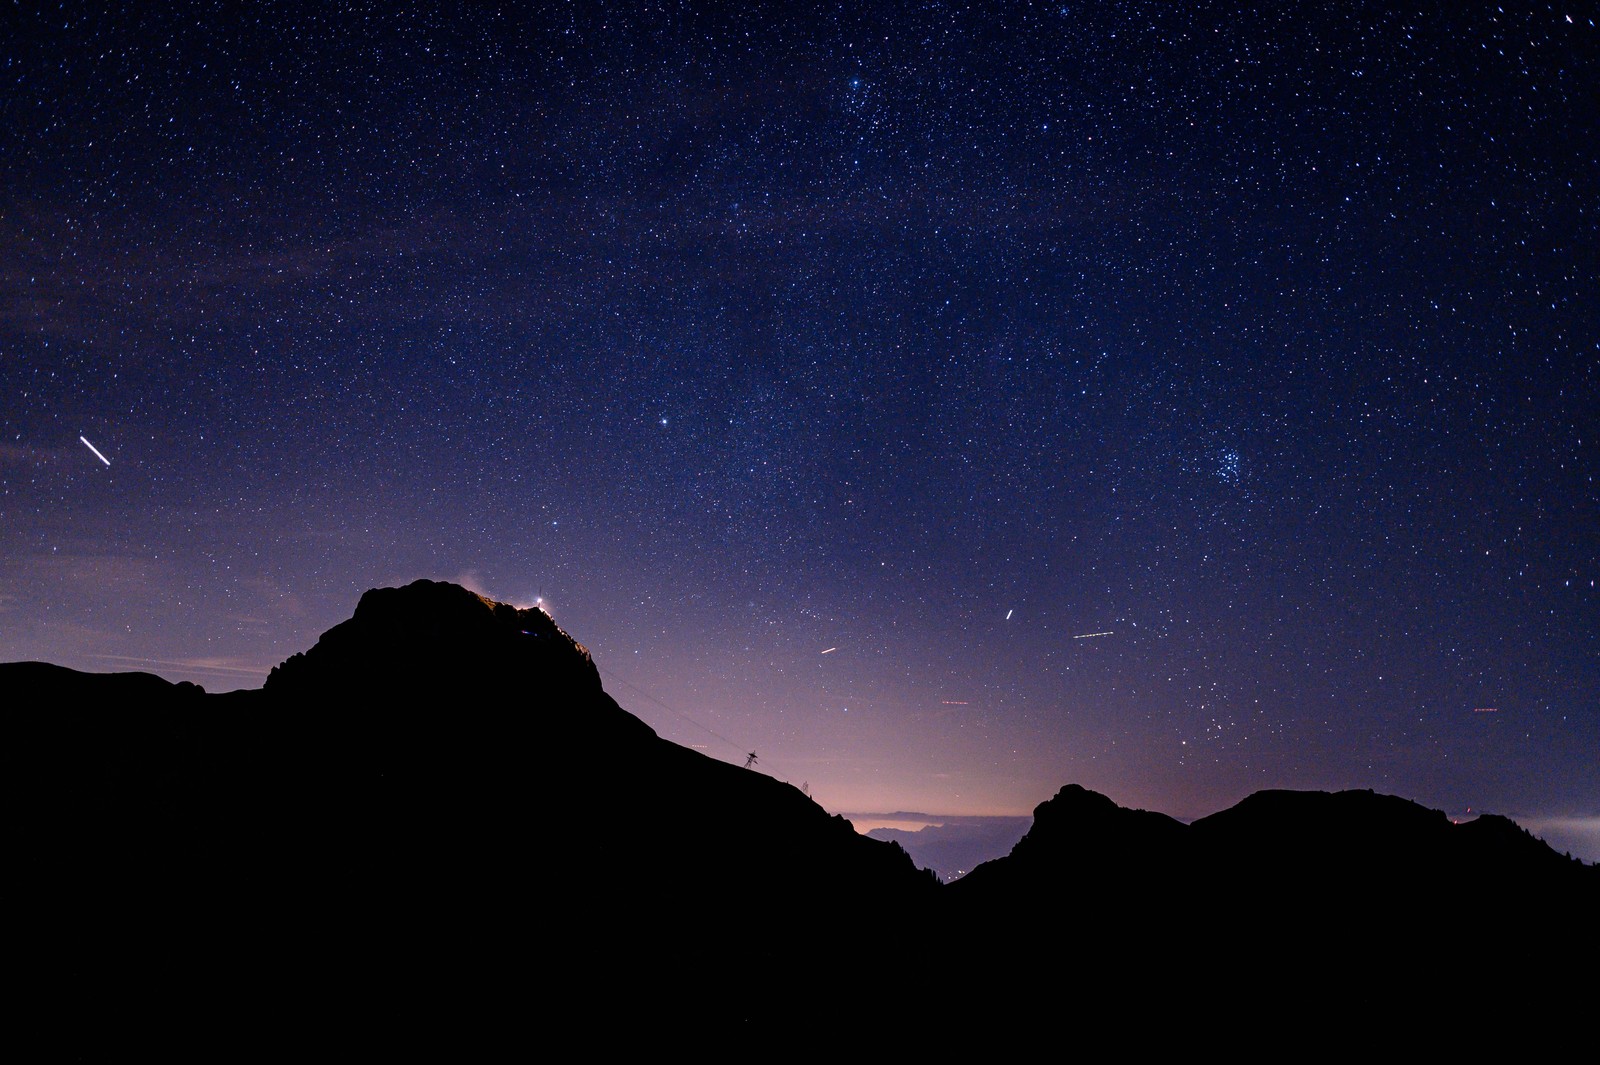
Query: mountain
<point x="1305" y="906"/>
<point x="433" y="832"/>
<point x="365" y="844"/>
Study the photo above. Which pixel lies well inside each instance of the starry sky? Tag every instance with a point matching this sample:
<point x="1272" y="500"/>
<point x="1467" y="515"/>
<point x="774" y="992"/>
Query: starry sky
<point x="946" y="401"/>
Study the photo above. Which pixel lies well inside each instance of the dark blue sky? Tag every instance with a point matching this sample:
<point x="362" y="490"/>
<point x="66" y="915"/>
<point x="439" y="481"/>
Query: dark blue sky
<point x="1262" y="338"/>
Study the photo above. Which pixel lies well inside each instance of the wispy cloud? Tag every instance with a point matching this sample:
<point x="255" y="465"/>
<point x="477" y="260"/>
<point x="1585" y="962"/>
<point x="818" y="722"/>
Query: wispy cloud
<point x="232" y="668"/>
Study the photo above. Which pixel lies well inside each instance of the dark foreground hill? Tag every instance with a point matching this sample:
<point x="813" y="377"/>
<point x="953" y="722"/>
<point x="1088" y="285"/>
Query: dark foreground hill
<point x="1349" y="913"/>
<point x="362" y="847"/>
<point x="433" y="832"/>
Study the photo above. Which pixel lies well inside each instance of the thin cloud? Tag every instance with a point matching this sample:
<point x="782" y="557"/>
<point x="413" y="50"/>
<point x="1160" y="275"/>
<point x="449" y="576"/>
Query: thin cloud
<point x="222" y="667"/>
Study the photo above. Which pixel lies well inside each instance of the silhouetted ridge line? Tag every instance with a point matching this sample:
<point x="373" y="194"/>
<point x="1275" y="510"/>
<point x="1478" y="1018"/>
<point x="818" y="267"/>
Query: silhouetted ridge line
<point x="434" y="831"/>
<point x="422" y="818"/>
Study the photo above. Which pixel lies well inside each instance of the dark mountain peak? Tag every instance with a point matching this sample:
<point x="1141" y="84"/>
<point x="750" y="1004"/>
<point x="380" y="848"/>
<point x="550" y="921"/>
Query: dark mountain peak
<point x="1323" y="825"/>
<point x="430" y="646"/>
<point x="1494" y="826"/>
<point x="1282" y="851"/>
<point x="1075" y="812"/>
<point x="1074" y="799"/>
<point x="436" y="792"/>
<point x="1083" y="838"/>
<point x="1278" y="905"/>
<point x="430" y="633"/>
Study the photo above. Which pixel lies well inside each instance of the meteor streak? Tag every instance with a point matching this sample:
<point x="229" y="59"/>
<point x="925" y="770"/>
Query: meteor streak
<point x="1089" y="635"/>
<point x="830" y="650"/>
<point x="1008" y="614"/>
<point x="96" y="451"/>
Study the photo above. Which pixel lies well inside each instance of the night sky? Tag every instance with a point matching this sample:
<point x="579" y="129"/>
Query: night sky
<point x="835" y="373"/>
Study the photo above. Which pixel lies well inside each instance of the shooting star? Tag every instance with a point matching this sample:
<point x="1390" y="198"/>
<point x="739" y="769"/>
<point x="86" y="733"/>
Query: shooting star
<point x="1091" y="635"/>
<point x="830" y="650"/>
<point x="1008" y="614"/>
<point x="96" y="451"/>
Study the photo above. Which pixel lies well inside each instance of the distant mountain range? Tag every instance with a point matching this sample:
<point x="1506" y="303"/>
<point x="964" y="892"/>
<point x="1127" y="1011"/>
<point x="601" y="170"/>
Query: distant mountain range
<point x="435" y="833"/>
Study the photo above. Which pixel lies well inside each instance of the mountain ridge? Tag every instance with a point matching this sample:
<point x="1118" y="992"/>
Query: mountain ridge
<point x="441" y="785"/>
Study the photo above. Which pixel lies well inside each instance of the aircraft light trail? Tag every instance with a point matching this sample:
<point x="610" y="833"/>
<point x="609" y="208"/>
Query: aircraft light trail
<point x="1088" y="635"/>
<point x="96" y="450"/>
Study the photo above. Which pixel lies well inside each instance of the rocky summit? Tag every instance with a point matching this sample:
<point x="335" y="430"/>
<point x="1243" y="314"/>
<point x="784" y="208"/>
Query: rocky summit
<point x="431" y="828"/>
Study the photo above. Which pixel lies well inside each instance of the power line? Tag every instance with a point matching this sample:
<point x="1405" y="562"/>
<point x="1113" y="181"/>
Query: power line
<point x="671" y="710"/>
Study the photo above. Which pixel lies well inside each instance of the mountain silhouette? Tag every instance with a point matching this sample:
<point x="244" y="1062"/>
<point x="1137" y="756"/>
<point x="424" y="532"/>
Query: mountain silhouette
<point x="1309" y="907"/>
<point x="364" y="844"/>
<point x="433" y="831"/>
